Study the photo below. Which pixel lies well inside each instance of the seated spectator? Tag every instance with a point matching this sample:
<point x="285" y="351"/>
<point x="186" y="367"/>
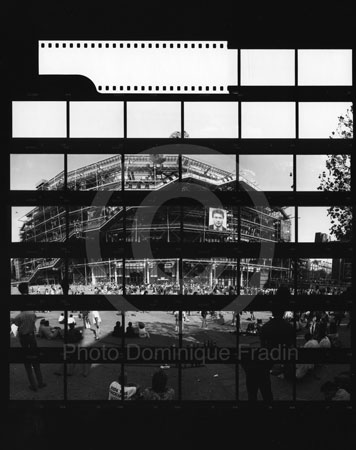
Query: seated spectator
<point x="159" y="389"/>
<point x="74" y="335"/>
<point x="118" y="331"/>
<point x="130" y="331"/>
<point x="131" y="390"/>
<point x="61" y="319"/>
<point x="333" y="392"/>
<point x="47" y="332"/>
<point x="71" y="320"/>
<point x="142" y="332"/>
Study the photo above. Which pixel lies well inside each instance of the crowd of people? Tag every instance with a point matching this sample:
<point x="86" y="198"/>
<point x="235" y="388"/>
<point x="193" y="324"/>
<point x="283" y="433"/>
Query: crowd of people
<point x="132" y="331"/>
<point x="321" y="331"/>
<point x="171" y="288"/>
<point x="320" y="290"/>
<point x="91" y="320"/>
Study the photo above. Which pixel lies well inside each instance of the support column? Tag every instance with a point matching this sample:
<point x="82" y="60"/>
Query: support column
<point x="146" y="271"/>
<point x="211" y="275"/>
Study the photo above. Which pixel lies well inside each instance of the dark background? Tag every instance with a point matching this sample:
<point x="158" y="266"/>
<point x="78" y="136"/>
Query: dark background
<point x="309" y="24"/>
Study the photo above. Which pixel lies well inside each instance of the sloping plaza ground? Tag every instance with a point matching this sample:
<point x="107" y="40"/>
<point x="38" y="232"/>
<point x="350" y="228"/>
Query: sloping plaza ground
<point x="206" y="382"/>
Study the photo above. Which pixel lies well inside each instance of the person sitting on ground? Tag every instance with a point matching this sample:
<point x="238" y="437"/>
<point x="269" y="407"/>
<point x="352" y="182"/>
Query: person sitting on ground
<point x="117" y="330"/>
<point x="130" y="331"/>
<point x="159" y="389"/>
<point x="47" y="332"/>
<point x="142" y="332"/>
<point x="332" y="392"/>
<point x="131" y="390"/>
<point x="71" y="320"/>
<point x="74" y="335"/>
<point x="61" y="319"/>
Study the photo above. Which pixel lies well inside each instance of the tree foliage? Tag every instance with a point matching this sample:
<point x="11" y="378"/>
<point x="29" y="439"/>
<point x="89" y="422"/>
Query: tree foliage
<point x="337" y="177"/>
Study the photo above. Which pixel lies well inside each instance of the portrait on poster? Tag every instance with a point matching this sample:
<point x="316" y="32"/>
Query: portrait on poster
<point x="217" y="219"/>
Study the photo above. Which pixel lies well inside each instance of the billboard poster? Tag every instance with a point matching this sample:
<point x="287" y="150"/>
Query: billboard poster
<point x="217" y="219"/>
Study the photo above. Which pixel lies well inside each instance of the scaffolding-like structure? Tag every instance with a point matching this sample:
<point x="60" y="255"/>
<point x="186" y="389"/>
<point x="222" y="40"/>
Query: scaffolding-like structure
<point x="141" y="172"/>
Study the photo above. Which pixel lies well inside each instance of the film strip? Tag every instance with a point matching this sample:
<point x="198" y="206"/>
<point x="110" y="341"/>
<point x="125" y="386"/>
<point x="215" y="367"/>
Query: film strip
<point x="143" y="66"/>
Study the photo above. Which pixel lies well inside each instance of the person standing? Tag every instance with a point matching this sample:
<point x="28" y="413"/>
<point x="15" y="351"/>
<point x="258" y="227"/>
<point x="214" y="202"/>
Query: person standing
<point x="86" y="321"/>
<point x="203" y="319"/>
<point x="74" y="336"/>
<point x="176" y="317"/>
<point x="96" y="323"/>
<point x="277" y="333"/>
<point x="26" y="332"/>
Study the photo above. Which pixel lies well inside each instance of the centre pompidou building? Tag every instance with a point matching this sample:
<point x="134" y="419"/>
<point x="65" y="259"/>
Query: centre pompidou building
<point x="145" y="172"/>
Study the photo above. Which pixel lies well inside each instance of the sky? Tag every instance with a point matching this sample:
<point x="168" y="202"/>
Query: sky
<point x="309" y="167"/>
<point x="315" y="67"/>
<point x="270" y="172"/>
<point x="76" y="161"/>
<point x="26" y="170"/>
<point x="159" y="120"/>
<point x="311" y="220"/>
